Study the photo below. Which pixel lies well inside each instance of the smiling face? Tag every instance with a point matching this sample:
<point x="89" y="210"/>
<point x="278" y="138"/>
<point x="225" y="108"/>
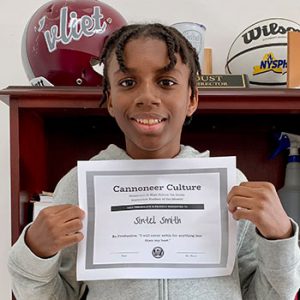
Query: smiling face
<point x="149" y="103"/>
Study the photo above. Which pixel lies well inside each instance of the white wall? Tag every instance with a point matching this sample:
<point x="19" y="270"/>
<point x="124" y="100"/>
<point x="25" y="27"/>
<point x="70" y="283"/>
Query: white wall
<point x="224" y="21"/>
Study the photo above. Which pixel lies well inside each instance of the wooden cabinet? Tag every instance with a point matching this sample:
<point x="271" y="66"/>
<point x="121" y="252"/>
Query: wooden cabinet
<point x="52" y="128"/>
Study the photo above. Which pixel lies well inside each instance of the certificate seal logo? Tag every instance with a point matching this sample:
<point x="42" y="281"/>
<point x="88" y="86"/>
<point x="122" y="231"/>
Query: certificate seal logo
<point x="158" y="252"/>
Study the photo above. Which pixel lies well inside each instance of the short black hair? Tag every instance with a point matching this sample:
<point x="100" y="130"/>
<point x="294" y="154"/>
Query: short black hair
<point x="175" y="42"/>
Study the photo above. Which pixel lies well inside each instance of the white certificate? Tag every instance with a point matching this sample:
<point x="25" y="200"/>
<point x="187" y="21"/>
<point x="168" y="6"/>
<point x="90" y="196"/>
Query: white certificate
<point x="164" y="218"/>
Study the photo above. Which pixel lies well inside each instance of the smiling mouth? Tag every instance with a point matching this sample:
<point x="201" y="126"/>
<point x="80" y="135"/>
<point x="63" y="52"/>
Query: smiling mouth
<point x="149" y="121"/>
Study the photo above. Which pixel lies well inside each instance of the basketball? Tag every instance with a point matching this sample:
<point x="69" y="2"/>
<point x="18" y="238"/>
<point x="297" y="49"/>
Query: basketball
<point x="260" y="52"/>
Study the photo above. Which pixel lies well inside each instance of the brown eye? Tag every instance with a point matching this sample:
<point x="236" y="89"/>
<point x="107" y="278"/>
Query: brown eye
<point x="127" y="83"/>
<point x="166" y="82"/>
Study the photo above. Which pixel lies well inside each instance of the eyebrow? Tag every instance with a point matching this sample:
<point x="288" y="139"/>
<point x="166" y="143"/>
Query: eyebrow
<point x="159" y="71"/>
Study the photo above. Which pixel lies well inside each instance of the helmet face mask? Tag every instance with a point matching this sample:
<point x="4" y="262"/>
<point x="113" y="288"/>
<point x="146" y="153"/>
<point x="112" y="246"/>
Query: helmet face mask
<point x="64" y="39"/>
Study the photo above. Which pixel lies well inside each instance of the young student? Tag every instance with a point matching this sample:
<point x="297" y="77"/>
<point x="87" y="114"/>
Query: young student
<point x="150" y="88"/>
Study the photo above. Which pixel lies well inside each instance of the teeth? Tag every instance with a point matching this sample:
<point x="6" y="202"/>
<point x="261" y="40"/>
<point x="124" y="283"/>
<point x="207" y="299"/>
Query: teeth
<point x="148" y="121"/>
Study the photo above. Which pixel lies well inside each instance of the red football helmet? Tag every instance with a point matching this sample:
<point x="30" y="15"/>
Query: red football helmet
<point x="63" y="40"/>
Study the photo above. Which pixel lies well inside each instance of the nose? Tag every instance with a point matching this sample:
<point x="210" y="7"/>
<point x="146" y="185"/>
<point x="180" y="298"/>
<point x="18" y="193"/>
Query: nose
<point x="147" y="94"/>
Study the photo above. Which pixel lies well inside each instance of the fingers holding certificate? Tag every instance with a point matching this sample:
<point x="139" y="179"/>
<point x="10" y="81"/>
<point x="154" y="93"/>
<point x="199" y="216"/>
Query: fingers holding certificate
<point x="156" y="218"/>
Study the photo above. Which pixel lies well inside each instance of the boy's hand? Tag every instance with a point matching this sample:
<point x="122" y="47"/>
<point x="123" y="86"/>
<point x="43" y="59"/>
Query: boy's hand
<point x="55" y="228"/>
<point x="259" y="203"/>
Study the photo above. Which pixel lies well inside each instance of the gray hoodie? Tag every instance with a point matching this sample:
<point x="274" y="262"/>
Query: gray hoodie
<point x="264" y="269"/>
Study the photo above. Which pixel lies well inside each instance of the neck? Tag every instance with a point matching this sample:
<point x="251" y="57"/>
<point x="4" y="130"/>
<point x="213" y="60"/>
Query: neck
<point x="155" y="154"/>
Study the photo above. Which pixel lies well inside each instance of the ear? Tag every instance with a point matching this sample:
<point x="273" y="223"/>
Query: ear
<point x="193" y="103"/>
<point x="109" y="103"/>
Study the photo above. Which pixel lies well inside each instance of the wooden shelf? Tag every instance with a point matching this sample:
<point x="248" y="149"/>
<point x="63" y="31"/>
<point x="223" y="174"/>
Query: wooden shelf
<point x="220" y="100"/>
<point x="52" y="128"/>
<point x="250" y="101"/>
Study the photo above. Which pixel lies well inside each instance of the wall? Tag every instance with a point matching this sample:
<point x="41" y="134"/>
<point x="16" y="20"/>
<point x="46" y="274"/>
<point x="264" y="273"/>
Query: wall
<point x="224" y="21"/>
